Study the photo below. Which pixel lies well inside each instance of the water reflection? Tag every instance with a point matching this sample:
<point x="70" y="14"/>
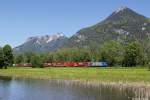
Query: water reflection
<point x="27" y="89"/>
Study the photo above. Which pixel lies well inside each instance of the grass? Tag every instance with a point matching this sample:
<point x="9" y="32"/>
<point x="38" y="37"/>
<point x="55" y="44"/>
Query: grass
<point x="87" y="74"/>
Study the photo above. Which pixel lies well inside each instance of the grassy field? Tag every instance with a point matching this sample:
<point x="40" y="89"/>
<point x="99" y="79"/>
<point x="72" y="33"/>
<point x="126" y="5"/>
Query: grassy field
<point x="88" y="74"/>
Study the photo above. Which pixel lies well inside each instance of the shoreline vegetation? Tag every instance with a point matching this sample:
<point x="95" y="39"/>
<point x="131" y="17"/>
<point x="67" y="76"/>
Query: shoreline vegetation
<point x="116" y="77"/>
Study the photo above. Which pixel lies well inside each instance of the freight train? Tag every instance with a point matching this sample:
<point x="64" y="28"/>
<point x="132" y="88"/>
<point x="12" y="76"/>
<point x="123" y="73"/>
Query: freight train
<point x="67" y="64"/>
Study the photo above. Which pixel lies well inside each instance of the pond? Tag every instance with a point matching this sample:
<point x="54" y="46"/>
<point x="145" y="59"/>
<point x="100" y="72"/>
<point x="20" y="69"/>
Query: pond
<point x="29" y="89"/>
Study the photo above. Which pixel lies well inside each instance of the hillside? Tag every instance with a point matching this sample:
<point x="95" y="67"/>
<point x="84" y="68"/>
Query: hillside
<point x="123" y="25"/>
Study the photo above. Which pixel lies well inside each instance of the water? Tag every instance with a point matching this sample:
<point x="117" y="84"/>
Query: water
<point x="27" y="89"/>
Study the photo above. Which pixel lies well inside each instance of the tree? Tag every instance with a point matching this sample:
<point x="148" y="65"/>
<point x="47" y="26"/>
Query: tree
<point x="48" y="58"/>
<point x="19" y="59"/>
<point x="93" y="50"/>
<point x="112" y="52"/>
<point x="147" y="51"/>
<point x="8" y="56"/>
<point x="1" y="58"/>
<point x="149" y="66"/>
<point x="133" y="54"/>
<point x="36" y="61"/>
<point x="28" y="56"/>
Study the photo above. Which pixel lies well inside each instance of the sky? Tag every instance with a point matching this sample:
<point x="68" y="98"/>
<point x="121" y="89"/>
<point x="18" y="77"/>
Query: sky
<point x="20" y="19"/>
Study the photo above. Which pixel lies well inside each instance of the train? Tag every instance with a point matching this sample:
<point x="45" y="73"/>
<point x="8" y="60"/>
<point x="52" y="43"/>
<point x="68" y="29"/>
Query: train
<point x="67" y="64"/>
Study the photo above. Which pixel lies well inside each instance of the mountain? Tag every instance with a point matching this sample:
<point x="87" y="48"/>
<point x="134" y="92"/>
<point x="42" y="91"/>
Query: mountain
<point x="42" y="44"/>
<point x="123" y="25"/>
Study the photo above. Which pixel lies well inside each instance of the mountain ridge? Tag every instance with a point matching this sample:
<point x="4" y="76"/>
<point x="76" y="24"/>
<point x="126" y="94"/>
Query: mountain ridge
<point x="41" y="44"/>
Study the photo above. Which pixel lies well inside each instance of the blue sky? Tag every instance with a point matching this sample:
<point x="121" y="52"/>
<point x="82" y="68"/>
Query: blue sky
<point x="20" y="19"/>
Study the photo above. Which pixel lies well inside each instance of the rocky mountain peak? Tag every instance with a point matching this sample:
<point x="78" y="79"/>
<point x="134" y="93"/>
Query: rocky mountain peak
<point x="121" y="9"/>
<point x="46" y="38"/>
<point x="55" y="37"/>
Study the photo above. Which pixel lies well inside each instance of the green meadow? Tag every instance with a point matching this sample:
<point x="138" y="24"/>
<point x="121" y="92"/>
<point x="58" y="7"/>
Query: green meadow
<point x="86" y="74"/>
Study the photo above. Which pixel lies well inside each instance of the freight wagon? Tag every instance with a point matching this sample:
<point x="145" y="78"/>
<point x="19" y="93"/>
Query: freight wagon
<point x="67" y="64"/>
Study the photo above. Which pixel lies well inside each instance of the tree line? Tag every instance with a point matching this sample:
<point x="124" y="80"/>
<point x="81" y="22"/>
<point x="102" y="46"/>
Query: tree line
<point x="113" y="52"/>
